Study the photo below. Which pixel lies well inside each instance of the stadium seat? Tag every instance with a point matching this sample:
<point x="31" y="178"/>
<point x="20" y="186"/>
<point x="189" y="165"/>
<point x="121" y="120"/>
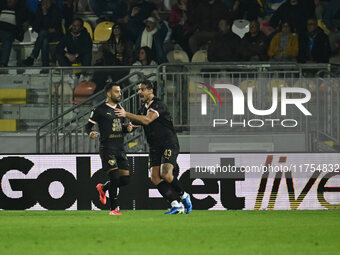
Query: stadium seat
<point x="102" y="32"/>
<point x="83" y="90"/>
<point x="68" y="92"/>
<point x="240" y="27"/>
<point x="194" y="92"/>
<point x="89" y="29"/>
<point x="29" y="38"/>
<point x="8" y="125"/>
<point x="176" y="56"/>
<point x="322" y="25"/>
<point x="275" y="83"/>
<point x="249" y="84"/>
<point x="200" y="56"/>
<point x="13" y="96"/>
<point x="306" y="84"/>
<point x="273" y="5"/>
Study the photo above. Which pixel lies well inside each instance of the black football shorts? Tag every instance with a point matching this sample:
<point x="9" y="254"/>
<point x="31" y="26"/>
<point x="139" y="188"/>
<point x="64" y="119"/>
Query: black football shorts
<point x="162" y="155"/>
<point x="113" y="160"/>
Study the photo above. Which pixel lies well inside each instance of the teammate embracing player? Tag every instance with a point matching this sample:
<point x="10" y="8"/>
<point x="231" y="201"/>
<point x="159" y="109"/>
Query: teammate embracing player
<point x="112" y="154"/>
<point x="163" y="144"/>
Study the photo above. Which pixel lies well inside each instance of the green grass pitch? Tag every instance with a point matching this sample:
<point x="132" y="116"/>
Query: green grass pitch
<point x="151" y="232"/>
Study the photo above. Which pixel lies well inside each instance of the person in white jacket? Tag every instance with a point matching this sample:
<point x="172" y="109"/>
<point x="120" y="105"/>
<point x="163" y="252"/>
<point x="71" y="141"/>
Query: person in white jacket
<point x="144" y="59"/>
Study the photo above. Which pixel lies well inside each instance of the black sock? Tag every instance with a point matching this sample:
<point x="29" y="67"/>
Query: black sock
<point x="113" y="185"/>
<point x="105" y="186"/>
<point x="177" y="186"/>
<point x="167" y="191"/>
<point x="123" y="180"/>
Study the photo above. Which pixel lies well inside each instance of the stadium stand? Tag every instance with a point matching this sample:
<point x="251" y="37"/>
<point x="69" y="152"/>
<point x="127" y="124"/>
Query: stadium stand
<point x="47" y="96"/>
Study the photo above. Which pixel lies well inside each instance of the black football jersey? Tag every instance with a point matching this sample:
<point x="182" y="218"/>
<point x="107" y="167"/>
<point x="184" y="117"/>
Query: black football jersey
<point x="110" y="127"/>
<point x="161" y="131"/>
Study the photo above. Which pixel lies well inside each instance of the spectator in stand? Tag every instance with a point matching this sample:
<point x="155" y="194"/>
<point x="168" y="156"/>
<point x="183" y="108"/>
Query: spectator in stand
<point x="139" y="10"/>
<point x="254" y="44"/>
<point x="48" y="26"/>
<point x="181" y="23"/>
<point x="67" y="7"/>
<point x="144" y="59"/>
<point x="314" y="45"/>
<point x="117" y="51"/>
<point x="153" y="37"/>
<point x="248" y="9"/>
<point x="292" y="12"/>
<point x="332" y="21"/>
<point x="108" y="9"/>
<point x="320" y="7"/>
<point x="207" y="16"/>
<point x="226" y="45"/>
<point x="285" y="45"/>
<point x="78" y="44"/>
<point x="14" y="21"/>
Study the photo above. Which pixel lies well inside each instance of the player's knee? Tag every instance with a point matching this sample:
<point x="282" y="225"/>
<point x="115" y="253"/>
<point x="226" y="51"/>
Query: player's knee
<point x="155" y="179"/>
<point x="166" y="172"/>
<point x="124" y="180"/>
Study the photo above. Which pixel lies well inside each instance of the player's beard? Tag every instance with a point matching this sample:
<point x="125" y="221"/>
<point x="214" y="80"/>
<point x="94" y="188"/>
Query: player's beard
<point x="142" y="99"/>
<point x="115" y="100"/>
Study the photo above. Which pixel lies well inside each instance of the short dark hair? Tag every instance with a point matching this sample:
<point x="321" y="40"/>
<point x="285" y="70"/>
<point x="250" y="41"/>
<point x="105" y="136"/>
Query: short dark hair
<point x="109" y="86"/>
<point x="150" y="85"/>
<point x="78" y="19"/>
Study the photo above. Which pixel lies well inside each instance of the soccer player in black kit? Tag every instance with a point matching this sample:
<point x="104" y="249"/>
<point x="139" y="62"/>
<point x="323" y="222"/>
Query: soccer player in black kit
<point x="163" y="145"/>
<point x="112" y="154"/>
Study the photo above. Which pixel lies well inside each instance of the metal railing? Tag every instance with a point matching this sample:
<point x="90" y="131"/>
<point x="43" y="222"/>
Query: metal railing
<point x="176" y="86"/>
<point x="179" y="88"/>
<point x="65" y="133"/>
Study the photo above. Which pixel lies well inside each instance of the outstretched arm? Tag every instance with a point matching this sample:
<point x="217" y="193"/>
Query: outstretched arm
<point x="143" y="119"/>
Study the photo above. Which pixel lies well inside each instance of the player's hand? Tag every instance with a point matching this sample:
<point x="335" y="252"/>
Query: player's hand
<point x="93" y="134"/>
<point x="120" y="112"/>
<point x="129" y="127"/>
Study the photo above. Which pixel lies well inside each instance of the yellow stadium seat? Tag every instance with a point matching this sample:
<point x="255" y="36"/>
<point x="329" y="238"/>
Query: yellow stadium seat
<point x="200" y="56"/>
<point x="89" y="29"/>
<point x="102" y="32"/>
<point x="322" y="25"/>
<point x="8" y="125"/>
<point x="13" y="96"/>
<point x="277" y="83"/>
<point x="176" y="56"/>
<point x="247" y="84"/>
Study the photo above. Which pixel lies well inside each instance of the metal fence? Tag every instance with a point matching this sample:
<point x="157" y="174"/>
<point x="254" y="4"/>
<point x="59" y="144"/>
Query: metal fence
<point x="179" y="88"/>
<point x="177" y="85"/>
<point x="65" y="133"/>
